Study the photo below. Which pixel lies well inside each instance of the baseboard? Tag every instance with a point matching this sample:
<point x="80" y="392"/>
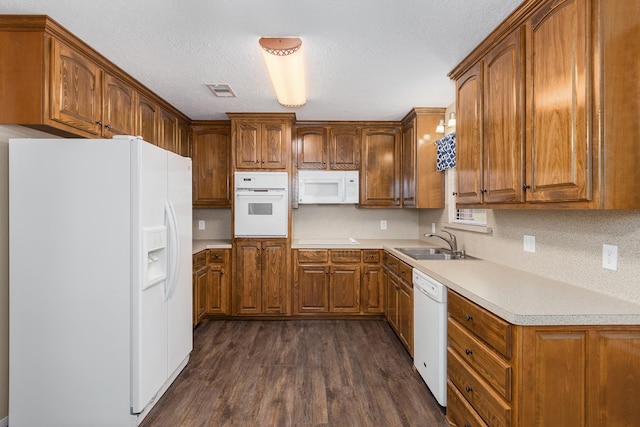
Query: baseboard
<point x="4" y="422"/>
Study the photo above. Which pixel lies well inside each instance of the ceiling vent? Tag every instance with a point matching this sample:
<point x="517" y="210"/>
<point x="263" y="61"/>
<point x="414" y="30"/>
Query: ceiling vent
<point x="222" y="90"/>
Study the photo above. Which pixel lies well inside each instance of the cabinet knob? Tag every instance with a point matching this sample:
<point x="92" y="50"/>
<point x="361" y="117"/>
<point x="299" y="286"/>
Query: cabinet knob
<point x="484" y="190"/>
<point x="468" y="389"/>
<point x="526" y="187"/>
<point x="468" y="317"/>
<point x="467" y="425"/>
<point x="99" y="122"/>
<point x="468" y="352"/>
<point x="455" y="193"/>
<point x="108" y="126"/>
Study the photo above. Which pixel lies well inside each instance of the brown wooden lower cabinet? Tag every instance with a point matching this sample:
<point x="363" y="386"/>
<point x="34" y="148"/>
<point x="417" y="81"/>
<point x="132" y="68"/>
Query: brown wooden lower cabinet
<point x="261" y="277"/>
<point x="335" y="281"/>
<point x="543" y="376"/>
<point x="399" y="298"/>
<point x="211" y="280"/>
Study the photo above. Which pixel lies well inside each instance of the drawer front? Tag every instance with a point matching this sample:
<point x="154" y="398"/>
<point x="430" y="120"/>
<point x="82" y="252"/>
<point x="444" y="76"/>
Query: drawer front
<point x="406" y="273"/>
<point x="490" y="328"/>
<point x="371" y="255"/>
<point x="199" y="260"/>
<point x="481" y="358"/>
<point x="349" y="256"/>
<point x="459" y="412"/>
<point x="491" y="407"/>
<point x="217" y="256"/>
<point x="306" y="255"/>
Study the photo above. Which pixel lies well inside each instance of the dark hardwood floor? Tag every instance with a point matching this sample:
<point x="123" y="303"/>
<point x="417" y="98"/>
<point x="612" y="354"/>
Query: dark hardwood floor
<point x="297" y="373"/>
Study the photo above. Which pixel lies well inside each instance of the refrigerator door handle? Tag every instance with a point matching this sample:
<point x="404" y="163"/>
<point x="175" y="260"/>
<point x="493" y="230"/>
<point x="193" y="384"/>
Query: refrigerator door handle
<point x="173" y="252"/>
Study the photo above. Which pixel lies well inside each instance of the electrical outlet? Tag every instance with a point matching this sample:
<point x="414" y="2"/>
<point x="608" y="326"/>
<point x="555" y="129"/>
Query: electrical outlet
<point x="610" y="257"/>
<point x="529" y="243"/>
<point x="383" y="224"/>
<point x="201" y="224"/>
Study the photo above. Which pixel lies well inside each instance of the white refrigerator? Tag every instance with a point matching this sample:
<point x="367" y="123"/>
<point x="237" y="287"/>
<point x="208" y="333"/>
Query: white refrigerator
<point x="100" y="287"/>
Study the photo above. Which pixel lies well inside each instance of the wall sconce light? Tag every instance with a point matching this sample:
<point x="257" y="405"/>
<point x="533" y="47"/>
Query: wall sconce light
<point x="452" y="120"/>
<point x="440" y="127"/>
<point x="283" y="57"/>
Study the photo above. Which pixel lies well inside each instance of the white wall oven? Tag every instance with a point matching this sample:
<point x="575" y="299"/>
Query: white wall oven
<point x="261" y="204"/>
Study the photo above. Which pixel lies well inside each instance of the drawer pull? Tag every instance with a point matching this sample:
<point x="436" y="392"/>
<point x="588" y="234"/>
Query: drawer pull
<point x="468" y="317"/>
<point x="467" y="425"/>
<point x="468" y="389"/>
<point x="468" y="352"/>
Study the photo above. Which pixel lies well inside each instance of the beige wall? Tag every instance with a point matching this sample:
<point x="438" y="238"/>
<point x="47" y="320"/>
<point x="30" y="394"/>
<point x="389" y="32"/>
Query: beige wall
<point x="6" y="132"/>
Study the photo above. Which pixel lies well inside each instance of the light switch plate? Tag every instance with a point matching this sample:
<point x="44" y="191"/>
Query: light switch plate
<point x="201" y="224"/>
<point x="529" y="243"/>
<point x="383" y="224"/>
<point x="610" y="257"/>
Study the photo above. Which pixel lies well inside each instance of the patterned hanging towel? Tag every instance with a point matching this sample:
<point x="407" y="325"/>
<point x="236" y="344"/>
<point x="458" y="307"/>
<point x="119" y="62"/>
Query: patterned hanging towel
<point x="446" y="152"/>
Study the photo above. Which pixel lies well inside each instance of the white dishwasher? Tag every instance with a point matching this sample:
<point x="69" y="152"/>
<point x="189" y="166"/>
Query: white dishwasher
<point x="430" y="333"/>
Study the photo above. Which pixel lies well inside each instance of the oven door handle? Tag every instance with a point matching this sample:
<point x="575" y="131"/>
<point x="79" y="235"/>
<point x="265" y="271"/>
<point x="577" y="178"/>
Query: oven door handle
<point x="261" y="194"/>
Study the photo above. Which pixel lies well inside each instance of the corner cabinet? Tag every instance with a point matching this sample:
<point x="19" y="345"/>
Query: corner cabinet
<point x="543" y="109"/>
<point x="261" y="141"/>
<point x="261" y="277"/>
<point x="380" y="177"/>
<point x="500" y="374"/>
<point x="211" y="155"/>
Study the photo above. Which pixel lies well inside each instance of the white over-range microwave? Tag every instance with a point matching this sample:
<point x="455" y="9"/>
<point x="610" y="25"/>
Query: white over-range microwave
<point x="328" y="187"/>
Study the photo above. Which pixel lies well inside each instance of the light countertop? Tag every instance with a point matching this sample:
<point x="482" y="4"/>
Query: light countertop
<point x="519" y="297"/>
<point x="200" y="245"/>
<point x="524" y="298"/>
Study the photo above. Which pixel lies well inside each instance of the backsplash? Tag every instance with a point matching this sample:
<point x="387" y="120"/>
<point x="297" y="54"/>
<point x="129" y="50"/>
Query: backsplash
<point x="568" y="245"/>
<point x="340" y="221"/>
<point x="217" y="224"/>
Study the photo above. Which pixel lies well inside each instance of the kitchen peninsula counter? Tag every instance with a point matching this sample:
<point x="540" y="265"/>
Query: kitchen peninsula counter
<point x="523" y="298"/>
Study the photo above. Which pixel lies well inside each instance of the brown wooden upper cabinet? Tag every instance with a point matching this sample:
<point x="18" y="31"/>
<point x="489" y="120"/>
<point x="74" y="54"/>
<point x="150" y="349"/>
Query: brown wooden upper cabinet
<point x="261" y="141"/>
<point x="332" y="147"/>
<point x="211" y="154"/>
<point x="422" y="184"/>
<point x="543" y="109"/>
<point x="54" y="82"/>
<point x="380" y="178"/>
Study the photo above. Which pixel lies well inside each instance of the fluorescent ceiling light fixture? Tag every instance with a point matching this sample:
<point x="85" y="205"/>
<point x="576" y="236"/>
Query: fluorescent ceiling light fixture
<point x="283" y="57"/>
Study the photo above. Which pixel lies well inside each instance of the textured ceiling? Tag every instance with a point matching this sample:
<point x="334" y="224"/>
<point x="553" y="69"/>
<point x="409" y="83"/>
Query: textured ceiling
<point x="365" y="59"/>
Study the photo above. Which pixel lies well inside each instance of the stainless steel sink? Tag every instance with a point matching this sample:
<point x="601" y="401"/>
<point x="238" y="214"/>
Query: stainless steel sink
<point x="432" y="254"/>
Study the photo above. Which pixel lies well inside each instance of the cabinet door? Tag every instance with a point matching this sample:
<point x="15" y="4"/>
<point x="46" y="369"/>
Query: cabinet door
<point x="344" y="148"/>
<point x="247" y="298"/>
<point x="201" y="277"/>
<point x="184" y="139"/>
<point x="76" y="94"/>
<point x="380" y="181"/>
<point x="615" y="383"/>
<point x="373" y="289"/>
<point x="503" y="139"/>
<point x="312" y="147"/>
<point x="312" y="289"/>
<point x="147" y="120"/>
<point x="405" y="315"/>
<point x="558" y="151"/>
<point x="275" y="146"/>
<point x="211" y="166"/>
<point x="217" y="289"/>
<point x="275" y="278"/>
<point x="409" y="165"/>
<point x="168" y="131"/>
<point x="247" y="148"/>
<point x="344" y="289"/>
<point x="118" y="109"/>
<point x="469" y="136"/>
<point x="393" y="287"/>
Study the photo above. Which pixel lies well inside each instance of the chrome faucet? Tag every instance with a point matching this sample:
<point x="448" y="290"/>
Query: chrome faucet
<point x="451" y="241"/>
